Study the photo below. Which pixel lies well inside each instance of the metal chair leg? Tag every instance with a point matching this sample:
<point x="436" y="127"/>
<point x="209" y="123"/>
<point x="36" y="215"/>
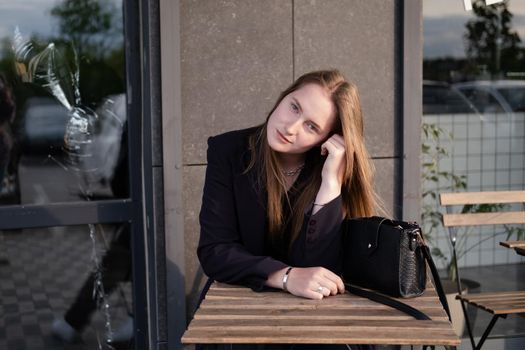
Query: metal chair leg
<point x="467" y="322"/>
<point x="452" y="237"/>
<point x="487" y="331"/>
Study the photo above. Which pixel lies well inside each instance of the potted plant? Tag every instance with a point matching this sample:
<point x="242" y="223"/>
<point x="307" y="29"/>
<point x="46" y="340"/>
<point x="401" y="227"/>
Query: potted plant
<point x="434" y="181"/>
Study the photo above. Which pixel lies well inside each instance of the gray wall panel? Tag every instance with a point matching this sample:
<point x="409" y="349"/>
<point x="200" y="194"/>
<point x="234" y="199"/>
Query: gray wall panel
<point x="236" y="57"/>
<point x="192" y="197"/>
<point x="356" y="37"/>
<point x="385" y="182"/>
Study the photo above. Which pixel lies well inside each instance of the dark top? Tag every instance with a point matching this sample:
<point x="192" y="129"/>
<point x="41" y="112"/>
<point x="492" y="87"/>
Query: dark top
<point x="232" y="246"/>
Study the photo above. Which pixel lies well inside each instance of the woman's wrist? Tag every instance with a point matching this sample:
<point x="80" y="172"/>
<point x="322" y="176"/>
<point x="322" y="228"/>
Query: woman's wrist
<point x="286" y="276"/>
<point x="327" y="192"/>
<point x="275" y="279"/>
<point x="331" y="184"/>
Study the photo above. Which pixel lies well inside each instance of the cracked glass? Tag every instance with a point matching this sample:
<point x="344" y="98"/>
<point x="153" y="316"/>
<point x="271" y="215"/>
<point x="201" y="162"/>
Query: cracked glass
<point x="63" y="115"/>
<point x="63" y="138"/>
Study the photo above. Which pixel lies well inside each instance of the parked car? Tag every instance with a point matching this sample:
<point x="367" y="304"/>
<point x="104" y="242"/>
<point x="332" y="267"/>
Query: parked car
<point x="498" y="96"/>
<point x="441" y="98"/>
<point x="44" y="124"/>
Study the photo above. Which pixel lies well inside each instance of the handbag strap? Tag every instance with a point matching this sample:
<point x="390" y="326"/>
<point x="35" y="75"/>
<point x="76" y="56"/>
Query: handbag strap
<point x="403" y="307"/>
<point x="437" y="280"/>
<point x="386" y="300"/>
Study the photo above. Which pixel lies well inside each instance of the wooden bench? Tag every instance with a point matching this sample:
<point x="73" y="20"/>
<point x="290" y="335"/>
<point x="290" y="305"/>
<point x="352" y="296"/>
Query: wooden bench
<point x="500" y="304"/>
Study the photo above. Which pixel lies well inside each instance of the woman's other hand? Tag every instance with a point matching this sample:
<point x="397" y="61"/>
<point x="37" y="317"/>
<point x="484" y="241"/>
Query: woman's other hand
<point x="308" y="282"/>
<point x="335" y="163"/>
<point x="333" y="171"/>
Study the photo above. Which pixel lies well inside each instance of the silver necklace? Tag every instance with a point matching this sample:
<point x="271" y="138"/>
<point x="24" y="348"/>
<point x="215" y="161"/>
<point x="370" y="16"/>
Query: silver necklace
<point x="294" y="171"/>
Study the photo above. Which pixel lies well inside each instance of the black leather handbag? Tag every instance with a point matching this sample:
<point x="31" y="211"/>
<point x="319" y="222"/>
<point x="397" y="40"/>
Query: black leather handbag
<point x="384" y="255"/>
<point x="389" y="257"/>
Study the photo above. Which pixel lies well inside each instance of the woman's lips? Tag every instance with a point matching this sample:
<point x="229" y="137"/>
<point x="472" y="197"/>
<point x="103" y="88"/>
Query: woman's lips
<point x="281" y="136"/>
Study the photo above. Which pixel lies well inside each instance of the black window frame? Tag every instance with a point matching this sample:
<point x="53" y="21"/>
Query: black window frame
<point x="129" y="209"/>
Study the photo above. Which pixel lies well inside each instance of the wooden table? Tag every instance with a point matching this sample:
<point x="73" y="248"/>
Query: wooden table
<point x="519" y="246"/>
<point x="232" y="314"/>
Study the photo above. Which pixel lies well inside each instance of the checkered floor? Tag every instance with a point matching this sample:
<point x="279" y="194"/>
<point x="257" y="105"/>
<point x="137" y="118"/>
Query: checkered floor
<point x="41" y="270"/>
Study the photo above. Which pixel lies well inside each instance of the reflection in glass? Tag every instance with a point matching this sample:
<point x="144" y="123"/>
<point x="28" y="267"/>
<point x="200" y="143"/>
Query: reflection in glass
<point x="66" y="140"/>
<point x="482" y="97"/>
<point x="63" y="138"/>
<point x="514" y="95"/>
<point x="48" y="274"/>
<point x="479" y="55"/>
<point x="476" y="56"/>
<point x="7" y="115"/>
<point x="441" y="98"/>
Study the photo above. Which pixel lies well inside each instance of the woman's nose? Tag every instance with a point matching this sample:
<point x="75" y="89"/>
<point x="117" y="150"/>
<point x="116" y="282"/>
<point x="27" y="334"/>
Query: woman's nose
<point x="291" y="128"/>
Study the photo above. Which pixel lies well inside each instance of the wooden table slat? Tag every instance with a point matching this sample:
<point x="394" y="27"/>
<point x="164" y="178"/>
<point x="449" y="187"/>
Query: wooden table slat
<point x="217" y="293"/>
<point x="290" y="336"/>
<point x="512" y="244"/>
<point x="325" y="324"/>
<point x="337" y="300"/>
<point x="362" y="313"/>
<point x="495" y="295"/>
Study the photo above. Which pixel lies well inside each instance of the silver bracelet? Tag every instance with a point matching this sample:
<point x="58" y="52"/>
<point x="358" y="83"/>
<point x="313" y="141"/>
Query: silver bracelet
<point x="285" y="279"/>
<point x="320" y="205"/>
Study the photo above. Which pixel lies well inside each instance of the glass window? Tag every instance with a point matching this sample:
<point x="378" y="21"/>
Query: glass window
<point x="63" y="138"/>
<point x="482" y="99"/>
<point x="79" y="274"/>
<point x="515" y="96"/>
<point x="480" y="55"/>
<point x="440" y="98"/>
<point x="63" y="104"/>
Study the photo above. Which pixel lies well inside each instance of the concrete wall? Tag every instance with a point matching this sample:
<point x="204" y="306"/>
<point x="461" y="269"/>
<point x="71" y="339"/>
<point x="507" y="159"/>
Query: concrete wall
<point x="236" y="57"/>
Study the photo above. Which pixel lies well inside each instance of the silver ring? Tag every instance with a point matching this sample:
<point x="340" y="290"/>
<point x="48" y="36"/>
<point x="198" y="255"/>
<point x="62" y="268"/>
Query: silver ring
<point x="320" y="289"/>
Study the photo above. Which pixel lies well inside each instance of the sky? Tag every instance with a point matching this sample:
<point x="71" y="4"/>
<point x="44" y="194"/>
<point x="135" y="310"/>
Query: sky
<point x="444" y="26"/>
<point x="443" y="22"/>
<point x="31" y="16"/>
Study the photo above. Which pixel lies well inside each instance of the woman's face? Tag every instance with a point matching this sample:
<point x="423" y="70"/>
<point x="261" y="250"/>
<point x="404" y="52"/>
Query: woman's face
<point x="302" y="120"/>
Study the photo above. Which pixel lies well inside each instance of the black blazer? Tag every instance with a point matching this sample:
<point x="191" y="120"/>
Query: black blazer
<point x="233" y="223"/>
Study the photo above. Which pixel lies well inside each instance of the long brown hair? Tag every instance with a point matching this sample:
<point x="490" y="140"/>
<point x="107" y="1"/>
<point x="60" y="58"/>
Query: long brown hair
<point x="358" y="196"/>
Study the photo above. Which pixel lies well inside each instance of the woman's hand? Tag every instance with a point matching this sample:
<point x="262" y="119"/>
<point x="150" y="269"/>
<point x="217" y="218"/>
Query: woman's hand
<point x="335" y="163"/>
<point x="309" y="282"/>
<point x="333" y="171"/>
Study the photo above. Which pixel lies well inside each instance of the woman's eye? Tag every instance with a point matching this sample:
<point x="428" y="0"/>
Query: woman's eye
<point x="295" y="109"/>
<point x="311" y="127"/>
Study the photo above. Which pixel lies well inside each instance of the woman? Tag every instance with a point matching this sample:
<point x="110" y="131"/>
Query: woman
<point x="275" y="195"/>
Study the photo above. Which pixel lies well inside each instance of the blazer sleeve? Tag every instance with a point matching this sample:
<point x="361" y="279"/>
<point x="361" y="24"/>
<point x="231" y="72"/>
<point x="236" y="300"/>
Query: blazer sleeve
<point x="319" y="243"/>
<point x="221" y="252"/>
